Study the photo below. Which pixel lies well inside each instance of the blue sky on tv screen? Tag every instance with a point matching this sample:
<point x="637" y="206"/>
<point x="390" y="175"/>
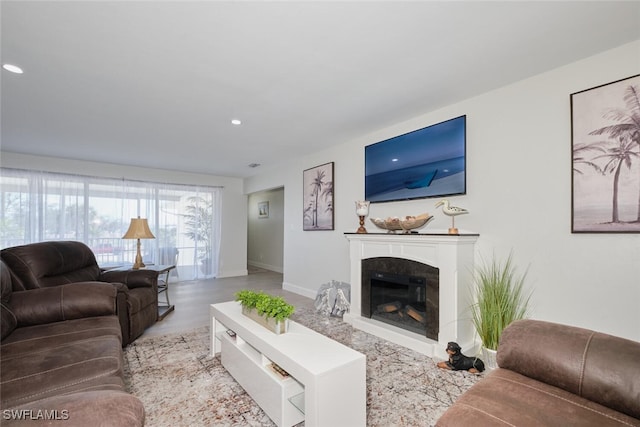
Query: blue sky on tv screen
<point x="438" y="142"/>
<point x="425" y="163"/>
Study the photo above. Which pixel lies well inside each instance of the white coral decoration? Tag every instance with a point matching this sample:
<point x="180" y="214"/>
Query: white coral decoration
<point x="342" y="304"/>
<point x="333" y="298"/>
<point x="323" y="306"/>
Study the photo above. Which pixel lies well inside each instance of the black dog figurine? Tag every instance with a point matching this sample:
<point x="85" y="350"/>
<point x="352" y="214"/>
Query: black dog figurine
<point x="459" y="362"/>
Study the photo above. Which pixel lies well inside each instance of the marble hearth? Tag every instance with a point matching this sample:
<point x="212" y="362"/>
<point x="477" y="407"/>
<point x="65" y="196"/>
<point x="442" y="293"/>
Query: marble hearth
<point x="452" y="255"/>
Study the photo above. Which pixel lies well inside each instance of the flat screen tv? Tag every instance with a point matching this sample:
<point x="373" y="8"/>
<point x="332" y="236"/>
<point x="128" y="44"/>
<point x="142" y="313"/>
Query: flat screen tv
<point x="428" y="162"/>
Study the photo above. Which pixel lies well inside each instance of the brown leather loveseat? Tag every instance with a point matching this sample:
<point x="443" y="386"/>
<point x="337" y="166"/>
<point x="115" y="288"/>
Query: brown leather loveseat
<point x="554" y="375"/>
<point x="47" y="264"/>
<point x="61" y="358"/>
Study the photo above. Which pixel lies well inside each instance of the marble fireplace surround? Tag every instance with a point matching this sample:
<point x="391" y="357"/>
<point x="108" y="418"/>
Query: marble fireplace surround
<point x="453" y="255"/>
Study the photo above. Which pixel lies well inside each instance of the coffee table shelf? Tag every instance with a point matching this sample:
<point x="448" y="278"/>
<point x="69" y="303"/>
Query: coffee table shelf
<point x="272" y="393"/>
<point x="298" y="401"/>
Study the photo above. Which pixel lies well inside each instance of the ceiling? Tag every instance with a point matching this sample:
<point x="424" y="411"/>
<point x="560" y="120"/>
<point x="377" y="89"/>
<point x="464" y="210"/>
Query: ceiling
<point x="156" y="84"/>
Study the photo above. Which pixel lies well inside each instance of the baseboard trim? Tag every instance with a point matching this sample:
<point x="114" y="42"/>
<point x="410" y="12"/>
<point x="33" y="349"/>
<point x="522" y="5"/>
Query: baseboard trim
<point x="233" y="273"/>
<point x="277" y="269"/>
<point x="299" y="290"/>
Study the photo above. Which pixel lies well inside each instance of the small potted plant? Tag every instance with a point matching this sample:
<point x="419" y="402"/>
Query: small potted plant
<point x="500" y="298"/>
<point x="268" y="310"/>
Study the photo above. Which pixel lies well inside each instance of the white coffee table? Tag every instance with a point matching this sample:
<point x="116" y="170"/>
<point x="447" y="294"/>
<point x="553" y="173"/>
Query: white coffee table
<point x="326" y="385"/>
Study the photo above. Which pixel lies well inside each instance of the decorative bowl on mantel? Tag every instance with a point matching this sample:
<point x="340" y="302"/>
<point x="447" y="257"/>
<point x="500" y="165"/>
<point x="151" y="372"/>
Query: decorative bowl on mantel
<point x="408" y="223"/>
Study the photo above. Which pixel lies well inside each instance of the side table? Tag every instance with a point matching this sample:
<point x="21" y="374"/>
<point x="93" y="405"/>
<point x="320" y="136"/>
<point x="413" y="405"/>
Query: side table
<point x="163" y="285"/>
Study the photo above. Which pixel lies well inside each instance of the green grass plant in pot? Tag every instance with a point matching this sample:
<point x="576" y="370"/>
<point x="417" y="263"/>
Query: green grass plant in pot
<point x="268" y="310"/>
<point x="500" y="298"/>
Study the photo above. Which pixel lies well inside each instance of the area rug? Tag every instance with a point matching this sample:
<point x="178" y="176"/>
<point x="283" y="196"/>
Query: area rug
<point x="181" y="385"/>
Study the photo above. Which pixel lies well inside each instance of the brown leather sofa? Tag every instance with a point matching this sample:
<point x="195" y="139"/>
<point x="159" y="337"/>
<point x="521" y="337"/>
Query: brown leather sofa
<point x="554" y="375"/>
<point x="46" y="264"/>
<point x="61" y="358"/>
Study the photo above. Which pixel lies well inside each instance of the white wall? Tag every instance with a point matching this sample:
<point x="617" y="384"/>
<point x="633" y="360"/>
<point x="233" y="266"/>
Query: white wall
<point x="265" y="244"/>
<point x="518" y="194"/>
<point x="233" y="245"/>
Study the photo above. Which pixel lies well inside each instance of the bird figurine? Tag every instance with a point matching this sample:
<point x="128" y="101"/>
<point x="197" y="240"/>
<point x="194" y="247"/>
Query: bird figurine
<point x="451" y="211"/>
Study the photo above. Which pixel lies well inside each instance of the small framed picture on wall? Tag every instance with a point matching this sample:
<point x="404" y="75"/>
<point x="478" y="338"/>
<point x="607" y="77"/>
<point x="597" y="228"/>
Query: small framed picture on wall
<point x="263" y="209"/>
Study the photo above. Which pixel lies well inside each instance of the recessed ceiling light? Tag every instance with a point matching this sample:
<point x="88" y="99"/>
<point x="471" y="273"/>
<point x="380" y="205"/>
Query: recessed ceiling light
<point x="394" y="160"/>
<point x="12" y="68"/>
<point x="236" y="122"/>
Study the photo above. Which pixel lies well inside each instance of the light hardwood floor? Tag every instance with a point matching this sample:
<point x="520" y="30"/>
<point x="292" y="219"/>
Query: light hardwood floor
<point x="192" y="299"/>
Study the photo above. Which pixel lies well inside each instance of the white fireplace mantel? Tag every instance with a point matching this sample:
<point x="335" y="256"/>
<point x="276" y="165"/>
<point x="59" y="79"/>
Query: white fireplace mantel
<point x="451" y="254"/>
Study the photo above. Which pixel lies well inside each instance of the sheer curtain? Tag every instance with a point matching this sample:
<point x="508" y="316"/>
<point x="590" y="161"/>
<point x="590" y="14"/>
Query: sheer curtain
<point x="40" y="206"/>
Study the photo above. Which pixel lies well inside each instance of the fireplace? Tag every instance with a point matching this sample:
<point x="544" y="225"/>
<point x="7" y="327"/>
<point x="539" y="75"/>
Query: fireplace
<point x="400" y="262"/>
<point x="402" y="293"/>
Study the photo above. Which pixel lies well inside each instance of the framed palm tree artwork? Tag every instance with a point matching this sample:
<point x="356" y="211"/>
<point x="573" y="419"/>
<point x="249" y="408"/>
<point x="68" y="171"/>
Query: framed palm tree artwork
<point x="605" y="138"/>
<point x="317" y="211"/>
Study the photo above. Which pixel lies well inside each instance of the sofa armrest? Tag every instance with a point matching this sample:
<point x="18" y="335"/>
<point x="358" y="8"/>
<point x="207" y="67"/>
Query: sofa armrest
<point x="107" y="408"/>
<point x="131" y="278"/>
<point x="122" y="309"/>
<point x="64" y="302"/>
<point x="599" y="367"/>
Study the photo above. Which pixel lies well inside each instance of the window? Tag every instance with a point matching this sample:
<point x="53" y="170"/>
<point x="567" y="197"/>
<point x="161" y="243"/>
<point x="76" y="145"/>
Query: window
<point x="38" y="206"/>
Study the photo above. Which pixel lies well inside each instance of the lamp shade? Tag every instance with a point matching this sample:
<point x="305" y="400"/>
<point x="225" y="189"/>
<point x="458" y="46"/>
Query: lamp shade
<point x="138" y="229"/>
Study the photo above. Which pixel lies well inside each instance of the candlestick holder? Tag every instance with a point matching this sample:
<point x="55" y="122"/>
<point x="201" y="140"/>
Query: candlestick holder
<point x="362" y="210"/>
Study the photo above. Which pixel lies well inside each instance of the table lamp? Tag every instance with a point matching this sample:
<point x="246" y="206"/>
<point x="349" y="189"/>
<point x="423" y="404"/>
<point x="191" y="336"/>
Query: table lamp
<point x="138" y="229"/>
<point x="362" y="210"/>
